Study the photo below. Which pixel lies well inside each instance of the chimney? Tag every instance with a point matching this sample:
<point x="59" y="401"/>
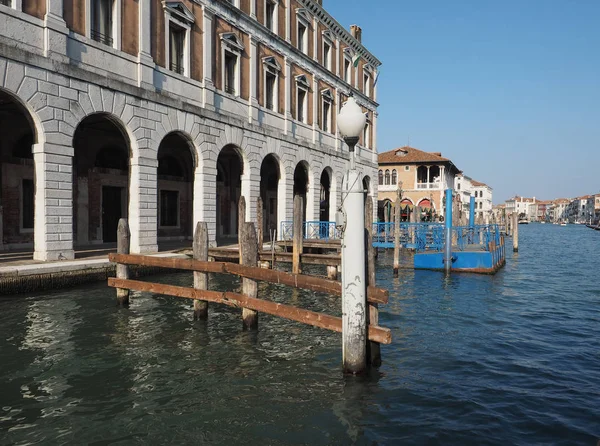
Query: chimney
<point x="356" y="32"/>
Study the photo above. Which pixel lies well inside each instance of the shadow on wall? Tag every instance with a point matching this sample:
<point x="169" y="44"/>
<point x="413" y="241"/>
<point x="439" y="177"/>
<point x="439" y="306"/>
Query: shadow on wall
<point x="75" y="49"/>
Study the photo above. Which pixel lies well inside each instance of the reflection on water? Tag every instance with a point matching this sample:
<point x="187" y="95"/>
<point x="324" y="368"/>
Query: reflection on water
<point x="511" y="358"/>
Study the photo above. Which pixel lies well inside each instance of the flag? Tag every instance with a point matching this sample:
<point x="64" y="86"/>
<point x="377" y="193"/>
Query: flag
<point x="376" y="78"/>
<point x="355" y="60"/>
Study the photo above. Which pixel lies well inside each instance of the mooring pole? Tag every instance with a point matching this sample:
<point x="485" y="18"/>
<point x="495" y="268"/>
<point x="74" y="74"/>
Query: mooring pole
<point x="373" y="348"/>
<point x="297" y="237"/>
<point x="123" y="237"/>
<point x="397" y="213"/>
<point x="472" y="212"/>
<point x="249" y="286"/>
<point x="448" y="227"/>
<point x="200" y="252"/>
<point x="259" y="223"/>
<point x="354" y="311"/>
<point x="515" y="222"/>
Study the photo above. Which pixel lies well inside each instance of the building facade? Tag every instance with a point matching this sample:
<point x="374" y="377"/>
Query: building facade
<point x="463" y="185"/>
<point x="420" y="177"/>
<point x="483" y="200"/>
<point x="167" y="112"/>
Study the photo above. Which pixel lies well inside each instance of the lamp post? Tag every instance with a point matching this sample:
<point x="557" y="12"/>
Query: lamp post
<point x="351" y="121"/>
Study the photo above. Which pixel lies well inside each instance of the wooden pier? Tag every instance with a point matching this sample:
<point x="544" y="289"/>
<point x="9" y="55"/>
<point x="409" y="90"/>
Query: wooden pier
<point x="220" y="261"/>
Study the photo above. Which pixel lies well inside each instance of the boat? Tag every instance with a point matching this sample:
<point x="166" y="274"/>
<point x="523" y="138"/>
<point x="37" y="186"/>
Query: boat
<point x="563" y="224"/>
<point x="523" y="222"/>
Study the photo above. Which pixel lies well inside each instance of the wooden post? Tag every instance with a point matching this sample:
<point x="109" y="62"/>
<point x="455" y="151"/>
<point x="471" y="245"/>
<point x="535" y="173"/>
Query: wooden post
<point x="373" y="348"/>
<point x="123" y="237"/>
<point x="241" y="217"/>
<point x="332" y="272"/>
<point x="1" y="229"/>
<point x="515" y="221"/>
<point x="259" y="223"/>
<point x="200" y="252"/>
<point x="298" y="235"/>
<point x="249" y="287"/>
<point x="397" y="237"/>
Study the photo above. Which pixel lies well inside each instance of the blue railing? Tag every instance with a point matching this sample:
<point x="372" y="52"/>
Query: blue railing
<point x="412" y="235"/>
<point x="314" y="230"/>
<point x="418" y="236"/>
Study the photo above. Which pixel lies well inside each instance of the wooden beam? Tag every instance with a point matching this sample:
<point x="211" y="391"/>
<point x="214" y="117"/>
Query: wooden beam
<point x="377" y="334"/>
<point x="318" y="284"/>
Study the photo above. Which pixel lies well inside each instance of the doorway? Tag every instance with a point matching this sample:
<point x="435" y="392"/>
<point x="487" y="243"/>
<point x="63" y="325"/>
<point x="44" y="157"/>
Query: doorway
<point x="111" y="212"/>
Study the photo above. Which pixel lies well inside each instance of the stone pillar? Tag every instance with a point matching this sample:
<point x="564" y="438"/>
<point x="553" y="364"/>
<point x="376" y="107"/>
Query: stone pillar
<point x="288" y="96"/>
<point x="143" y="208"/>
<point x="198" y="197"/>
<point x="315" y="107"/>
<point x="53" y="231"/>
<point x="288" y="21"/>
<point x="208" y="98"/>
<point x="55" y="31"/>
<point x="253" y="82"/>
<point x="145" y="61"/>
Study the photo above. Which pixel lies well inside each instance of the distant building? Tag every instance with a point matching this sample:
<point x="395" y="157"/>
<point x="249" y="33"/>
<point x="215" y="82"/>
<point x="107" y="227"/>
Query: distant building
<point x="560" y="211"/>
<point x="421" y="177"/>
<point x="483" y="200"/>
<point x="464" y="189"/>
<point x="522" y="206"/>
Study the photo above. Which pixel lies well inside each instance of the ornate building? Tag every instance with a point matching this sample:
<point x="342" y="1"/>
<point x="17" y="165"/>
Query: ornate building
<point x="166" y="112"/>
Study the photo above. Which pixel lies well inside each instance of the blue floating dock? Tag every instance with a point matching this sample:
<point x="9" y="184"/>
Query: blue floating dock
<point x="482" y="262"/>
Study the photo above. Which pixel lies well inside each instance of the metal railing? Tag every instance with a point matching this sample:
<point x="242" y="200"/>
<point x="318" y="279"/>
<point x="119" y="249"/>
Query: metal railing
<point x="102" y="38"/>
<point x="313" y="230"/>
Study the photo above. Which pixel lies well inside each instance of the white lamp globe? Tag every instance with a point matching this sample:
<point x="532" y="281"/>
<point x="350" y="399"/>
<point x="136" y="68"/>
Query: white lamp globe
<point x="351" y="119"/>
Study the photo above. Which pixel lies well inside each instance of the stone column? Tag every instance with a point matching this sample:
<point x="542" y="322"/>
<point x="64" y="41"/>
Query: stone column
<point x="143" y="208"/>
<point x="208" y="98"/>
<point x="288" y="96"/>
<point x="53" y="228"/>
<point x="288" y="20"/>
<point x="253" y="82"/>
<point x="315" y="105"/>
<point x="55" y="31"/>
<point x="145" y="61"/>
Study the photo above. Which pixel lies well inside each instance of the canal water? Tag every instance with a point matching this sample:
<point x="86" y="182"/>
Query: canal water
<point x="507" y="359"/>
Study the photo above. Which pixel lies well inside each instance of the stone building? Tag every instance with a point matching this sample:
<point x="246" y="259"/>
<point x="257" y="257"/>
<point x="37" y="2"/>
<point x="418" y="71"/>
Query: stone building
<point x="166" y="112"/>
<point x="421" y="178"/>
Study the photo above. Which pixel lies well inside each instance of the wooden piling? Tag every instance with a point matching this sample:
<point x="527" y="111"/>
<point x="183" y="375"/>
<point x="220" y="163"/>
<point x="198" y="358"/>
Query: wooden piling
<point x="397" y="237"/>
<point x="515" y="237"/>
<point x="373" y="348"/>
<point x="249" y="286"/>
<point x="123" y="237"/>
<point x="259" y="223"/>
<point x="200" y="252"/>
<point x="298" y="235"/>
<point x="332" y="272"/>
<point x="241" y="217"/>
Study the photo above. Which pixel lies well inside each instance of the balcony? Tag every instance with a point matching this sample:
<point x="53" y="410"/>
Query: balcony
<point x="429" y="185"/>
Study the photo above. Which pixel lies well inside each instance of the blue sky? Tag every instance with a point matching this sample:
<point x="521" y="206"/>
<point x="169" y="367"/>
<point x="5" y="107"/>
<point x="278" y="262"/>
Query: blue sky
<point x="510" y="91"/>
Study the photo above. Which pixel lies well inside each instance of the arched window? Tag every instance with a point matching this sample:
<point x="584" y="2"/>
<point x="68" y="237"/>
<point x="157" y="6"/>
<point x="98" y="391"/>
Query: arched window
<point x="381" y="177"/>
<point x="394" y="177"/>
<point x="387" y="177"/>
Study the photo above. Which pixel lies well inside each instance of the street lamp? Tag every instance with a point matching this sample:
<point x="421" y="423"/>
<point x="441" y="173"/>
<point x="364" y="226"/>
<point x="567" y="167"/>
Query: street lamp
<point x="351" y="122"/>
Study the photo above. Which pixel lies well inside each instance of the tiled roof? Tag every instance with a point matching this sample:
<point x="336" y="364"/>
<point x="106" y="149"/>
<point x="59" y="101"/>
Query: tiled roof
<point x="410" y="155"/>
<point x="477" y="183"/>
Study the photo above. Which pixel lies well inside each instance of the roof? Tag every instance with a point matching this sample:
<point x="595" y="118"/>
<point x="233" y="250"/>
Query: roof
<point x="478" y="183"/>
<point x="410" y="155"/>
<point x="562" y="201"/>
